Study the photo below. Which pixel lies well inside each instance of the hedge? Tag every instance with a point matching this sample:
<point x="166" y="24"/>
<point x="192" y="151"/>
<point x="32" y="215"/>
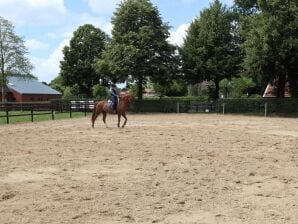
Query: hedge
<point x="278" y="106"/>
<point x="275" y="106"/>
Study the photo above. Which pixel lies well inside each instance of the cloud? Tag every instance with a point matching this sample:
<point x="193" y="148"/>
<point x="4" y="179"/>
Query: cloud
<point x="177" y="36"/>
<point x="46" y="69"/>
<point x="103" y="7"/>
<point x="33" y="12"/>
<point x="33" y="44"/>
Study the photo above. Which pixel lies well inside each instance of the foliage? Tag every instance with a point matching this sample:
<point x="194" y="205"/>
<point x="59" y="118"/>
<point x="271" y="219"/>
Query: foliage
<point x="271" y="44"/>
<point x="12" y="55"/>
<point x="57" y="84"/>
<point x="275" y="106"/>
<point x="77" y="66"/>
<point x="199" y="89"/>
<point x="209" y="51"/>
<point x="67" y="94"/>
<point x="100" y="92"/>
<point x="225" y="87"/>
<point x="172" y="88"/>
<point x="73" y="93"/>
<point x="139" y="47"/>
<point x="247" y="7"/>
<point x="241" y="86"/>
<point x="133" y="89"/>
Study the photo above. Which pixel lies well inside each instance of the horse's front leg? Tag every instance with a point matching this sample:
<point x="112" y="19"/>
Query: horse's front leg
<point x="124" y="115"/>
<point x="119" y="116"/>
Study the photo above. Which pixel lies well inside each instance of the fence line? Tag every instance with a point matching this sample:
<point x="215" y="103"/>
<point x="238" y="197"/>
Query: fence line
<point x="48" y="108"/>
<point x="238" y="106"/>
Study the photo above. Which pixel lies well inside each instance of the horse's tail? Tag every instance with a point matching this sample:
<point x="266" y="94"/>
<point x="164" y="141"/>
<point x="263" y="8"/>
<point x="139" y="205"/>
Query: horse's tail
<point x="94" y="114"/>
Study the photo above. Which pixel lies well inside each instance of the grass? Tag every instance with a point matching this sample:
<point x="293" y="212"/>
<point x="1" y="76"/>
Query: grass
<point x="25" y="116"/>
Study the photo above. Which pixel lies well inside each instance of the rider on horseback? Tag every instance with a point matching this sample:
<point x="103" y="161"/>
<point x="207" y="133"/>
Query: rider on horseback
<point x="114" y="96"/>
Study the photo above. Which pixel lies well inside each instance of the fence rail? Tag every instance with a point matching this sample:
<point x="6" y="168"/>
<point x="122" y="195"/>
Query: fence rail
<point x="49" y="108"/>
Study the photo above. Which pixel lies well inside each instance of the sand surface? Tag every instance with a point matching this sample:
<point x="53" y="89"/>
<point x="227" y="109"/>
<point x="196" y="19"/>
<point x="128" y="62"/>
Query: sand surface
<point x="161" y="168"/>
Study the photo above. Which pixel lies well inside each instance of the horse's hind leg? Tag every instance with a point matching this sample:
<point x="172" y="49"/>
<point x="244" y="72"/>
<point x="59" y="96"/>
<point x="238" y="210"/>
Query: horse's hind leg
<point x="104" y="115"/>
<point x="119" y="116"/>
<point x="94" y="116"/>
<point x="124" y="115"/>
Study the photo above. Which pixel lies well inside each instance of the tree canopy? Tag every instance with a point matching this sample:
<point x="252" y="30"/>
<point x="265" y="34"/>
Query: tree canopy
<point x="209" y="52"/>
<point x="13" y="60"/>
<point x="139" y="47"/>
<point x="271" y="45"/>
<point x="77" y="66"/>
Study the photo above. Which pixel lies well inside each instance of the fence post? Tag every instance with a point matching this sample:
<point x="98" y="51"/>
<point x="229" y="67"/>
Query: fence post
<point x="53" y="115"/>
<point x="265" y="109"/>
<point x="85" y="108"/>
<point x="70" y="115"/>
<point x="178" y="107"/>
<point x="31" y="113"/>
<point x="7" y="115"/>
<point x="223" y="108"/>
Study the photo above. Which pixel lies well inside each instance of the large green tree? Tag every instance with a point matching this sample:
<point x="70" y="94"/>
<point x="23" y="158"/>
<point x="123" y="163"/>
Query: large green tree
<point x="13" y="60"/>
<point x="271" y="44"/>
<point x="139" y="49"/>
<point x="209" y="51"/>
<point x="77" y="66"/>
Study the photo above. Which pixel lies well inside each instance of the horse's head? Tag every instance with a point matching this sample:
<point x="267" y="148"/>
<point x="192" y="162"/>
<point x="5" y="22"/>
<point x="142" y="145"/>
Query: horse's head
<point x="128" y="98"/>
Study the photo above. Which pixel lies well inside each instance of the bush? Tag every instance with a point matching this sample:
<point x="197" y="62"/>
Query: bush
<point x="284" y="107"/>
<point x="276" y="106"/>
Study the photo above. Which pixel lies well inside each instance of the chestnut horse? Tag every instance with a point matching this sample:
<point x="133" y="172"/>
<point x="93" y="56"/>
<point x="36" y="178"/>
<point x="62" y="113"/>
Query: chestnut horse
<point x="104" y="108"/>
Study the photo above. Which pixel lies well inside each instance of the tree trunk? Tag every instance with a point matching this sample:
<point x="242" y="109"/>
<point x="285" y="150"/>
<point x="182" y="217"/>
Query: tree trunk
<point x="140" y="88"/>
<point x="281" y="82"/>
<point x="3" y="86"/>
<point x="3" y="93"/>
<point x="216" y="92"/>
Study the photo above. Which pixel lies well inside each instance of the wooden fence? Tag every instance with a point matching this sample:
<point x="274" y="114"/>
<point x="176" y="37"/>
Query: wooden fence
<point x="44" y="108"/>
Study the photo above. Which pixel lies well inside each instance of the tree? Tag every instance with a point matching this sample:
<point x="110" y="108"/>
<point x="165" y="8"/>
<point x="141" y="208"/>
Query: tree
<point x="172" y="88"/>
<point x="85" y="48"/>
<point x="241" y="86"/>
<point x="100" y="92"/>
<point x="139" y="49"/>
<point x="271" y="44"/>
<point x="247" y="7"/>
<point x="57" y="84"/>
<point x="12" y="55"/>
<point x="209" y="51"/>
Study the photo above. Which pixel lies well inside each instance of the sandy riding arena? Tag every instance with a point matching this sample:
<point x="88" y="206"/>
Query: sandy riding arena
<point x="161" y="168"/>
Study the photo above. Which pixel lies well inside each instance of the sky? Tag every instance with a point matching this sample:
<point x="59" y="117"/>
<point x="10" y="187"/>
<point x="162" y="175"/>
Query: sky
<point x="46" y="26"/>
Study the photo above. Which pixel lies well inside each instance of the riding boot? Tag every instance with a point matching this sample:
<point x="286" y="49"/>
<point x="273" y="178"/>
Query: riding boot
<point x="115" y="109"/>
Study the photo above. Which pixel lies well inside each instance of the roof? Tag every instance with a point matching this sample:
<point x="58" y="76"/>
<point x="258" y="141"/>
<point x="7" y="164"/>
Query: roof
<point x="29" y="86"/>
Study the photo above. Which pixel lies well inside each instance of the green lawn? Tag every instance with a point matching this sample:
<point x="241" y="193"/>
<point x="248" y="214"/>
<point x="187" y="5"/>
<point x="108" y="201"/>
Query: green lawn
<point x="37" y="116"/>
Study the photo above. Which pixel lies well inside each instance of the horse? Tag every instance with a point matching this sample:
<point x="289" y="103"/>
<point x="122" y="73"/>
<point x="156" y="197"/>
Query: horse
<point x="104" y="108"/>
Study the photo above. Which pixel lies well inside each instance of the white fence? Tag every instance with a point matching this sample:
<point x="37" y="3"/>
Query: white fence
<point x="82" y="104"/>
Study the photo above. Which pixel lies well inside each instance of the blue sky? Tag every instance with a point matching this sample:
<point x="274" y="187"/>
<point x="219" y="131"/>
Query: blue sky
<point x="48" y="25"/>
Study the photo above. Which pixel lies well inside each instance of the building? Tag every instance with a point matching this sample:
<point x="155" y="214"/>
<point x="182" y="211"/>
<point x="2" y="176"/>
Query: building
<point x="24" y="90"/>
<point x="271" y="90"/>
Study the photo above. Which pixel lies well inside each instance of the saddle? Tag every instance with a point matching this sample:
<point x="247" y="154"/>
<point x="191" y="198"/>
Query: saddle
<point x="111" y="104"/>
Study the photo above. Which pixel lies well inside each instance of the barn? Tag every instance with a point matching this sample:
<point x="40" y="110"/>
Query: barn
<point x="24" y="90"/>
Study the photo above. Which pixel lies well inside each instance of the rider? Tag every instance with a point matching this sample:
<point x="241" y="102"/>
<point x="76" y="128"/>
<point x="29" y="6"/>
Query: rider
<point x="114" y="96"/>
